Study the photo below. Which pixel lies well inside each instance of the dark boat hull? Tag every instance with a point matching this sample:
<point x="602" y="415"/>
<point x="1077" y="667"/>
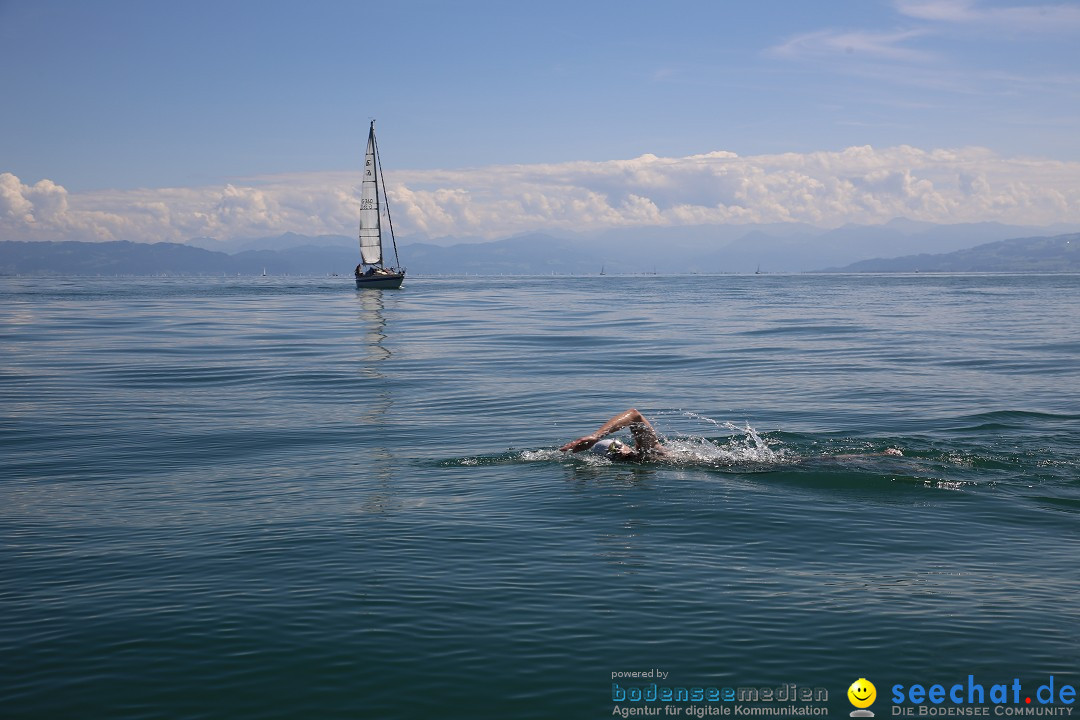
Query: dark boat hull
<point x="380" y="282"/>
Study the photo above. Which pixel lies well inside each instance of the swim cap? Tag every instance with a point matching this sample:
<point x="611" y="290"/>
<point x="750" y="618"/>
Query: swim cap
<point x="601" y="448"/>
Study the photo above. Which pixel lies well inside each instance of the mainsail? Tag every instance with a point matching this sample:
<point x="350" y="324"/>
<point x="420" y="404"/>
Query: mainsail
<point x="370" y="231"/>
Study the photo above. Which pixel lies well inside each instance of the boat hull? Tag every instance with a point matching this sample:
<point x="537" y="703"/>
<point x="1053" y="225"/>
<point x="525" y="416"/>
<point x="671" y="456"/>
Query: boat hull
<point x="380" y="282"/>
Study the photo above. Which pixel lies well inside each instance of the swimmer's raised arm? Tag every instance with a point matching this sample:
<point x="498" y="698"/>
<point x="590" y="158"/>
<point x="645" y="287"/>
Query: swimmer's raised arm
<point x="645" y="437"/>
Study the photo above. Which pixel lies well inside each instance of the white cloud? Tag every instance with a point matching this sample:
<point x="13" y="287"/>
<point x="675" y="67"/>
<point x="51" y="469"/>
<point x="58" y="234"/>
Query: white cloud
<point x="862" y="44"/>
<point x="903" y="57"/>
<point x="1030" y="18"/>
<point x="856" y="185"/>
<point x="43" y="202"/>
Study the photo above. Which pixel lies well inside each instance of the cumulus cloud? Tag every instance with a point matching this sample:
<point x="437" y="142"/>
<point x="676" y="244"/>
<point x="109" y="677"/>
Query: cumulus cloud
<point x="42" y="203"/>
<point x="857" y="185"/>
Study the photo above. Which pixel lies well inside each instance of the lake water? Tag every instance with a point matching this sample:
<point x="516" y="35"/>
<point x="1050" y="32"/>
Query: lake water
<point x="283" y="498"/>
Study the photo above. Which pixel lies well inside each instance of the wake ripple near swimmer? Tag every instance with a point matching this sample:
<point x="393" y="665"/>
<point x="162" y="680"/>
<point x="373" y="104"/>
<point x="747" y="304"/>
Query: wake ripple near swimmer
<point x="753" y="453"/>
<point x="747" y="452"/>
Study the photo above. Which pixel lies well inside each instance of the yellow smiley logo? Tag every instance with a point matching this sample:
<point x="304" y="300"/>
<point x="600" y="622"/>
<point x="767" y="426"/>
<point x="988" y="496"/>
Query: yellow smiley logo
<point x="862" y="693"/>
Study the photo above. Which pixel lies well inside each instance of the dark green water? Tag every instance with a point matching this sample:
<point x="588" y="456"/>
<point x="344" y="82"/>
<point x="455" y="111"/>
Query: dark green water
<point x="281" y="498"/>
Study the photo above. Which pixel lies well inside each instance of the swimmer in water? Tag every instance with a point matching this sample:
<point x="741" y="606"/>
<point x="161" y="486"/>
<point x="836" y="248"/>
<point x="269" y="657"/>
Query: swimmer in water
<point x="646" y="445"/>
<point x="646" y="442"/>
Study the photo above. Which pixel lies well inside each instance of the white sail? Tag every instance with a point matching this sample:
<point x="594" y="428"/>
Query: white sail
<point x="370" y="232"/>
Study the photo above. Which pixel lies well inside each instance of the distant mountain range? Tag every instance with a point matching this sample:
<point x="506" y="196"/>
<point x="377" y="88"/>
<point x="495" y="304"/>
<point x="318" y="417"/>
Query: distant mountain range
<point x="770" y="248"/>
<point x="128" y="258"/>
<point x="1036" y="254"/>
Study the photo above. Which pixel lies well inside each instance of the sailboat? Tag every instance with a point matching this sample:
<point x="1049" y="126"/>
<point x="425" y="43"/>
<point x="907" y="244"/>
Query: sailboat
<point x="377" y="274"/>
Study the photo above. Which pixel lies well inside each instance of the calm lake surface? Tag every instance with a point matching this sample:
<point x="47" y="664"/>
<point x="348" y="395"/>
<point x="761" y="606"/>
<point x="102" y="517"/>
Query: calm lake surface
<point x="283" y="498"/>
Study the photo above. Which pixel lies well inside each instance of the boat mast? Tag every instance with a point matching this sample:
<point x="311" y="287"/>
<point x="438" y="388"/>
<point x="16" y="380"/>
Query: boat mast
<point x="386" y="202"/>
<point x="370" y="216"/>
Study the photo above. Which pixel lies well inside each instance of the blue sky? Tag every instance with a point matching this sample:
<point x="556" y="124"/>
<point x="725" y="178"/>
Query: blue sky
<point x="110" y="96"/>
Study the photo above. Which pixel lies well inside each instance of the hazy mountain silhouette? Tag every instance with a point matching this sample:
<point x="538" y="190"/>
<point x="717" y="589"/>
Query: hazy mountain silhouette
<point x="704" y="249"/>
<point x="1036" y="254"/>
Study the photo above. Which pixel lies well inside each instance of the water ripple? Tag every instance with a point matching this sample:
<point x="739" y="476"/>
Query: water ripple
<point x="282" y="497"/>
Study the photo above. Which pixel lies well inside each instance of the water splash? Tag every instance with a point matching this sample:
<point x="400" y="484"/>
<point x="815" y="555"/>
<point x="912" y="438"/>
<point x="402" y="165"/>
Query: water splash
<point x="545" y="455"/>
<point x="747" y="449"/>
<point x="744" y="447"/>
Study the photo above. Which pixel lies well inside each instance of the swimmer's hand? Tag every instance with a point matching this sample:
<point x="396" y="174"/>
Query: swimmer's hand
<point x="893" y="451"/>
<point x="582" y="443"/>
